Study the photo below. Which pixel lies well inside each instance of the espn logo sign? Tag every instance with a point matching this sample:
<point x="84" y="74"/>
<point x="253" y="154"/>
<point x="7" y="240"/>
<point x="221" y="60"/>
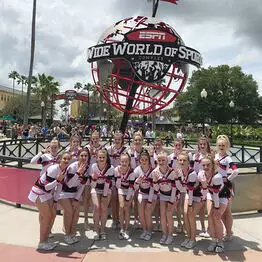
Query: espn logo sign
<point x="157" y="36"/>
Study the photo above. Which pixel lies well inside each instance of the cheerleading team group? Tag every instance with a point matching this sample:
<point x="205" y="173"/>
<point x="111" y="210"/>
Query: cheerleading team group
<point x="151" y="183"/>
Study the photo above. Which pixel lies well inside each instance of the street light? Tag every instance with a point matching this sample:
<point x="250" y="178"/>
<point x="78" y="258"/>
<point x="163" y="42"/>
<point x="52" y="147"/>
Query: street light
<point x="203" y="95"/>
<point x="42" y="113"/>
<point x="231" y="105"/>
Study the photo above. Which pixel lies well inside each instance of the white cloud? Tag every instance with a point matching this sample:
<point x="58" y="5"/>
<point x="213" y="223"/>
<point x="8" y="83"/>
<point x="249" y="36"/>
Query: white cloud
<point x="225" y="33"/>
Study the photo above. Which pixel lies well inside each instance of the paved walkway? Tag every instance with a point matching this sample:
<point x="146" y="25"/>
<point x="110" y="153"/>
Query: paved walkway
<point x="19" y="232"/>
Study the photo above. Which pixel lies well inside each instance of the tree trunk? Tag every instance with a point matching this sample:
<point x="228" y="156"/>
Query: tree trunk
<point x="26" y="115"/>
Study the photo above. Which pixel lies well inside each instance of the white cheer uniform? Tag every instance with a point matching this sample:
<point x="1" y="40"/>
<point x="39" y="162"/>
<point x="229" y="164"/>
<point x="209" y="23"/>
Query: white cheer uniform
<point x="45" y="186"/>
<point x="105" y="179"/>
<point x="73" y="184"/>
<point x="46" y="160"/>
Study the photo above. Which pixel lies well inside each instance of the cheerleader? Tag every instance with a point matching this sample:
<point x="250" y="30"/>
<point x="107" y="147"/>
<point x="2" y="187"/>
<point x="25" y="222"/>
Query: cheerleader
<point x="48" y="156"/>
<point x="146" y="204"/>
<point x="203" y="148"/>
<point x="226" y="168"/>
<point x="125" y="179"/>
<point x="135" y="151"/>
<point x="172" y="161"/>
<point x="205" y="176"/>
<point x="114" y="151"/>
<point x="102" y="175"/>
<point x="220" y="202"/>
<point x="177" y="149"/>
<point x="94" y="146"/>
<point x="158" y="148"/>
<point x="77" y="176"/>
<point x="74" y="147"/>
<point x="43" y="195"/>
<point x="193" y="199"/>
<point x="164" y="180"/>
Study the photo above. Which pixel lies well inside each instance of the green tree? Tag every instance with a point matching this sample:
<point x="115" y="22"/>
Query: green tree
<point x="45" y="88"/>
<point x="23" y="81"/>
<point x="16" y="107"/>
<point x="222" y="84"/>
<point x="78" y="86"/>
<point x="14" y="76"/>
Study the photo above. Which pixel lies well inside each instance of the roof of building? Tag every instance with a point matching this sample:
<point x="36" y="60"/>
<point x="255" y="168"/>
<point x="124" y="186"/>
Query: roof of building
<point x="8" y="89"/>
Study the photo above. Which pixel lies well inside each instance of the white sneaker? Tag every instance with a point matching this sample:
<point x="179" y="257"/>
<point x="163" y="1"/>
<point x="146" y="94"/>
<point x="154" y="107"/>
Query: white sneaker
<point x="46" y="246"/>
<point x="126" y="235"/>
<point x="163" y="239"/>
<point x="202" y="233"/>
<point x="69" y="240"/>
<point x="212" y="246"/>
<point x="169" y="240"/>
<point x="190" y="244"/>
<point x="103" y="236"/>
<point x="51" y="235"/>
<point x="206" y="235"/>
<point x="142" y="236"/>
<point x="96" y="236"/>
<point x="183" y="244"/>
<point x="148" y="236"/>
<point x="121" y="234"/>
<point x="219" y="247"/>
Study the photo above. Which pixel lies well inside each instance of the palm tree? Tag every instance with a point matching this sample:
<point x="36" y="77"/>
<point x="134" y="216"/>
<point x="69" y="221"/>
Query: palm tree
<point x="13" y="75"/>
<point x="89" y="87"/>
<point x="45" y="87"/>
<point x="23" y="81"/>
<point x="32" y="55"/>
<point x="78" y="86"/>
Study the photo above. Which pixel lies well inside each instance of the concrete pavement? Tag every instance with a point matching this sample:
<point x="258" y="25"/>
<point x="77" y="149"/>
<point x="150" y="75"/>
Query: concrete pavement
<point x="19" y="232"/>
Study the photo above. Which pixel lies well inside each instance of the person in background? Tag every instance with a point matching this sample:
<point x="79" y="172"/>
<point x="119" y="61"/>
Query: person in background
<point x="179" y="134"/>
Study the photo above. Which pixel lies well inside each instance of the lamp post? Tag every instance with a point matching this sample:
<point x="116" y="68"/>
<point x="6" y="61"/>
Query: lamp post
<point x="203" y="95"/>
<point x="231" y="105"/>
<point x="42" y="113"/>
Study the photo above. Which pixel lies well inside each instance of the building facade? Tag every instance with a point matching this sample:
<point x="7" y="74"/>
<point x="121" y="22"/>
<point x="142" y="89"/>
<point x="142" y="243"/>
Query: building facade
<point x="6" y="93"/>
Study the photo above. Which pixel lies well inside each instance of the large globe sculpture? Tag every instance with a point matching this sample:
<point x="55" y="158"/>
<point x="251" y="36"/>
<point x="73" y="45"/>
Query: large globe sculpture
<point x="150" y="84"/>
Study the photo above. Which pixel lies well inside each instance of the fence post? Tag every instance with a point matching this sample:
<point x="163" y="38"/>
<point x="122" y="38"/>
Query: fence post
<point x="243" y="154"/>
<point x="20" y="148"/>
